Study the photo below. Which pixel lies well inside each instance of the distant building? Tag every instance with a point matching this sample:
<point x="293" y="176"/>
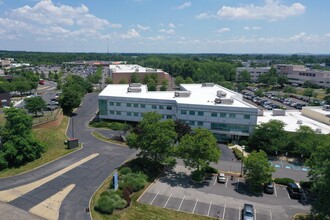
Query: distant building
<point x="120" y="72"/>
<point x="255" y="72"/>
<point x="209" y="106"/>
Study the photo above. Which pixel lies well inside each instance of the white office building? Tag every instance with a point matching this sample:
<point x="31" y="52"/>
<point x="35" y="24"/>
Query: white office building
<point x="255" y="72"/>
<point x="210" y="106"/>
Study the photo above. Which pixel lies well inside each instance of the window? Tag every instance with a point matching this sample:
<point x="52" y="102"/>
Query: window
<point x="200" y="113"/>
<point x="183" y="112"/>
<point x="118" y="103"/>
<point x="136" y="114"/>
<point x="230" y="127"/>
<point x="169" y="107"/>
<point x="191" y="112"/>
<point x="200" y="123"/>
<point x="118" y="113"/>
<point x="154" y="106"/>
<point x="232" y="115"/>
<point x="223" y="115"/>
<point x="246" y="116"/>
<point x="128" y="104"/>
<point x="129" y="113"/>
<point x="112" y="112"/>
<point x="161" y="107"/>
<point x="168" y="117"/>
<point x="191" y="122"/>
<point x="214" y="114"/>
<point x="143" y="105"/>
<point x="136" y="105"/>
<point x="111" y="103"/>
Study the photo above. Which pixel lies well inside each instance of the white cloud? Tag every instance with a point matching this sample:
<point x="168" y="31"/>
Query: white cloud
<point x="223" y="30"/>
<point x="131" y="33"/>
<point x="184" y="5"/>
<point x="254" y="28"/>
<point x="156" y="38"/>
<point x="203" y="15"/>
<point x="327" y="35"/>
<point x="271" y="10"/>
<point x="171" y="25"/>
<point x="143" y="28"/>
<point x="167" y="31"/>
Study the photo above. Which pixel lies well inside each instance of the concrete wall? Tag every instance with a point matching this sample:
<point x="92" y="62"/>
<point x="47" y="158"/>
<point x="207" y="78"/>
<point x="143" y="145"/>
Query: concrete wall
<point x="310" y="112"/>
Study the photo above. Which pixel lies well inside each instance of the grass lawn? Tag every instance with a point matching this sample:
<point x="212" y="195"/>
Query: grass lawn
<point x="138" y="210"/>
<point x="53" y="138"/>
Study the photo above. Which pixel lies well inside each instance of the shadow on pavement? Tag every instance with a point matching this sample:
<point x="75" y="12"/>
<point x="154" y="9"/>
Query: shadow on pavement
<point x="244" y="189"/>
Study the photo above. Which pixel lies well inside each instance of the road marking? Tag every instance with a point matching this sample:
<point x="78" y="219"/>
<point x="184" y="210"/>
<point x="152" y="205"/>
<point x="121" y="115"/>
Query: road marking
<point x="226" y="182"/>
<point x="12" y="194"/>
<point x="208" y="213"/>
<point x="237" y="184"/>
<point x="50" y="208"/>
<point x="239" y="212"/>
<point x="195" y="206"/>
<point x="154" y="198"/>
<point x="215" y="180"/>
<point x="304" y="194"/>
<point x="281" y="163"/>
<point x="271" y="217"/>
<point x="288" y="194"/>
<point x="286" y="216"/>
<point x="181" y="203"/>
<point x="255" y="212"/>
<point x="167" y="200"/>
<point x="275" y="189"/>
<point x="224" y="211"/>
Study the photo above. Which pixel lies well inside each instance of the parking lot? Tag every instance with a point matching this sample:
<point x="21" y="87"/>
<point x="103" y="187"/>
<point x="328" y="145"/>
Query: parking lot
<point x="174" y="190"/>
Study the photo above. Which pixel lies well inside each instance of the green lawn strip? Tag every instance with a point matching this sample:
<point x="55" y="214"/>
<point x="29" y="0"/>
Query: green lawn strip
<point x="53" y="139"/>
<point x="105" y="139"/>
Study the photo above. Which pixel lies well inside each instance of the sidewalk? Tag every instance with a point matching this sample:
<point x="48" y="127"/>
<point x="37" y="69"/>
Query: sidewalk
<point x="10" y="212"/>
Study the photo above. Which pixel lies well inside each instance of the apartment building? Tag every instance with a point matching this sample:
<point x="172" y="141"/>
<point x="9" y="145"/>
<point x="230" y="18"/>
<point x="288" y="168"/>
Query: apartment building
<point x="210" y="106"/>
<point x="255" y="72"/>
<point x="122" y="72"/>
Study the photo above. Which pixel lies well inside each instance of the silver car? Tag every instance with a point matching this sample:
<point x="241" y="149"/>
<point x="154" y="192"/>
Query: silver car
<point x="221" y="178"/>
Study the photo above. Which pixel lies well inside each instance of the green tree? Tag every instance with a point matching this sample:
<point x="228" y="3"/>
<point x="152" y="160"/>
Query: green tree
<point x="123" y="81"/>
<point x="308" y="92"/>
<point x="189" y="80"/>
<point x="181" y="129"/>
<point x="244" y="76"/>
<point x="151" y="84"/>
<point x="269" y="137"/>
<point x="319" y="172"/>
<point x="135" y="78"/>
<point x="178" y="80"/>
<point x="327" y="99"/>
<point x="199" y="149"/>
<point x="327" y="90"/>
<point x="289" y="89"/>
<point x="164" y="85"/>
<point x="22" y="86"/>
<point x="70" y="98"/>
<point x="154" y="138"/>
<point x="257" y="169"/>
<point x="35" y="104"/>
<point x="108" y="80"/>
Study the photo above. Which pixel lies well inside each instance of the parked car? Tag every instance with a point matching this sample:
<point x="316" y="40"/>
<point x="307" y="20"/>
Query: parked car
<point x="269" y="188"/>
<point x="248" y="212"/>
<point x="294" y="191"/>
<point x="221" y="178"/>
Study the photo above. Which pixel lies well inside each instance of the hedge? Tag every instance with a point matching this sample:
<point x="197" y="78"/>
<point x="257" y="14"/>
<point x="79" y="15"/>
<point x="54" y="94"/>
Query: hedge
<point x="108" y="202"/>
<point x="210" y="169"/>
<point x="136" y="181"/>
<point x="283" y="181"/>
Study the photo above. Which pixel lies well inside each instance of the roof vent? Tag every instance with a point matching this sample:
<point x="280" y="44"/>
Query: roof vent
<point x="134" y="89"/>
<point x="135" y="85"/>
<point x="318" y="131"/>
<point x="207" y="84"/>
<point x="221" y="93"/>
<point x="182" y="93"/>
<point x="299" y="122"/>
<point x="223" y="101"/>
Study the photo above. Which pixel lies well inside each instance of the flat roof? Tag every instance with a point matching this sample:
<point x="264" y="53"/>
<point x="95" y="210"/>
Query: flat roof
<point x="199" y="95"/>
<point x="291" y="121"/>
<point x="132" y="68"/>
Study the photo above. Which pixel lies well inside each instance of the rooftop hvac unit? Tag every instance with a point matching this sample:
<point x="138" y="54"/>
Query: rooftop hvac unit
<point x="135" y="85"/>
<point x="207" y="84"/>
<point x="134" y="89"/>
<point x="299" y="122"/>
<point x="318" y="130"/>
<point x="182" y="94"/>
<point x="223" y="101"/>
<point x="221" y="93"/>
<point x="326" y="107"/>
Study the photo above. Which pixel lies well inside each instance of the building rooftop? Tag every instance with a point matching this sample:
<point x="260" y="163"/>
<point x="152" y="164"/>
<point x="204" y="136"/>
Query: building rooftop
<point x="199" y="95"/>
<point x="293" y="119"/>
<point x="131" y="68"/>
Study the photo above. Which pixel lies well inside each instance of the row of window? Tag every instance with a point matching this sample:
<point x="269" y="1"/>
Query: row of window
<point x="135" y="114"/>
<point x="213" y="114"/>
<point x="136" y="105"/>
<point x="307" y="74"/>
<point x="230" y="127"/>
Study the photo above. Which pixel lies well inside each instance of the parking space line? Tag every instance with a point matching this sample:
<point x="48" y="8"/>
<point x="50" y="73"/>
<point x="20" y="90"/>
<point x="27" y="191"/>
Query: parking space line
<point x="255" y="214"/>
<point x="181" y="203"/>
<point x="237" y="184"/>
<point x="224" y="211"/>
<point x="215" y="180"/>
<point x="208" y="213"/>
<point x="281" y="163"/>
<point x="270" y="214"/>
<point x="195" y="206"/>
<point x="288" y="194"/>
<point x="239" y="212"/>
<point x="167" y="200"/>
<point x="226" y="182"/>
<point x="275" y="192"/>
<point x="154" y="198"/>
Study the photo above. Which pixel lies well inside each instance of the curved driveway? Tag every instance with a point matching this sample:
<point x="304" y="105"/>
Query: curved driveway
<point x="86" y="177"/>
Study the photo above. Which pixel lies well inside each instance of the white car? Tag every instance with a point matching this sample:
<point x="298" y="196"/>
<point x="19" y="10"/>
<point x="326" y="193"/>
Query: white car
<point x="221" y="178"/>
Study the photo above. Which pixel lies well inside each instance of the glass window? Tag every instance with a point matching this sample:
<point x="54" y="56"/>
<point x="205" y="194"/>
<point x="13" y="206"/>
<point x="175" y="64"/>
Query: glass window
<point x="214" y="114"/>
<point x="143" y="105"/>
<point x="200" y="113"/>
<point x="223" y="115"/>
<point x="136" y="105"/>
<point x="168" y="117"/>
<point x="129" y="113"/>
<point x="183" y="112"/>
<point x="136" y="114"/>
<point x="161" y="107"/>
<point x="112" y="112"/>
<point x="191" y="112"/>
<point x="128" y="104"/>
<point x="111" y="103"/>
<point x="169" y="107"/>
<point x="232" y="115"/>
<point x="118" y="113"/>
<point x="154" y="106"/>
<point x="118" y="103"/>
<point x="200" y="123"/>
<point x="246" y="116"/>
<point x="191" y="123"/>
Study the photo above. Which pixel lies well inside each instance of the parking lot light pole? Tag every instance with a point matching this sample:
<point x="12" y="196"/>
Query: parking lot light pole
<point x="72" y="130"/>
<point x="241" y="168"/>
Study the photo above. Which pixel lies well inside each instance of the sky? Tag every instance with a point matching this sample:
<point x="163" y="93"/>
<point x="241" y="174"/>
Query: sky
<point x="166" y="26"/>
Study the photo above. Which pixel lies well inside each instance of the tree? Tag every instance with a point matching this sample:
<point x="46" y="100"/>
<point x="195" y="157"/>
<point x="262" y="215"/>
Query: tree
<point x="308" y="92"/>
<point x="269" y="137"/>
<point x="151" y="84"/>
<point x="108" y="80"/>
<point x="289" y="89"/>
<point x="164" y="85"/>
<point x="135" y="78"/>
<point x="123" y="81"/>
<point x="199" y="149"/>
<point x="35" y="104"/>
<point x="257" y="169"/>
<point x="327" y="90"/>
<point x="22" y="86"/>
<point x="327" y="99"/>
<point x="244" y="76"/>
<point x="154" y="138"/>
<point x="178" y="80"/>
<point x="181" y="129"/>
<point x="319" y="172"/>
<point x="70" y="98"/>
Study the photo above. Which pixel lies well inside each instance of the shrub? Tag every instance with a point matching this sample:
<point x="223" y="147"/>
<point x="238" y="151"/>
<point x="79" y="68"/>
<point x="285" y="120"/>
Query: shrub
<point x="210" y="169"/>
<point x="198" y="175"/>
<point x="135" y="180"/>
<point x="306" y="184"/>
<point x="283" y="181"/>
<point x="126" y="196"/>
<point x="125" y="170"/>
<point x="109" y="201"/>
<point x="238" y="154"/>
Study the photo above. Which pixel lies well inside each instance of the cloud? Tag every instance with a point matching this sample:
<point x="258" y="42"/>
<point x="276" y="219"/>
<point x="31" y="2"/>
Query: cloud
<point x="156" y="38"/>
<point x="254" y="28"/>
<point x="223" y="30"/>
<point x="143" y="28"/>
<point x="171" y="25"/>
<point x="203" y="15"/>
<point x="272" y="10"/>
<point x="167" y="31"/>
<point x="184" y="5"/>
<point x="130" y="34"/>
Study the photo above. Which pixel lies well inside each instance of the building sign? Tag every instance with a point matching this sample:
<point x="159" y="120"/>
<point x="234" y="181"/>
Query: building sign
<point x="115" y="180"/>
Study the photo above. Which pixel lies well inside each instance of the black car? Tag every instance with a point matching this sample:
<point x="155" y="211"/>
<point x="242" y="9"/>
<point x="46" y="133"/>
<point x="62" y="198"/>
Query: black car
<point x="269" y="188"/>
<point x="294" y="191"/>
